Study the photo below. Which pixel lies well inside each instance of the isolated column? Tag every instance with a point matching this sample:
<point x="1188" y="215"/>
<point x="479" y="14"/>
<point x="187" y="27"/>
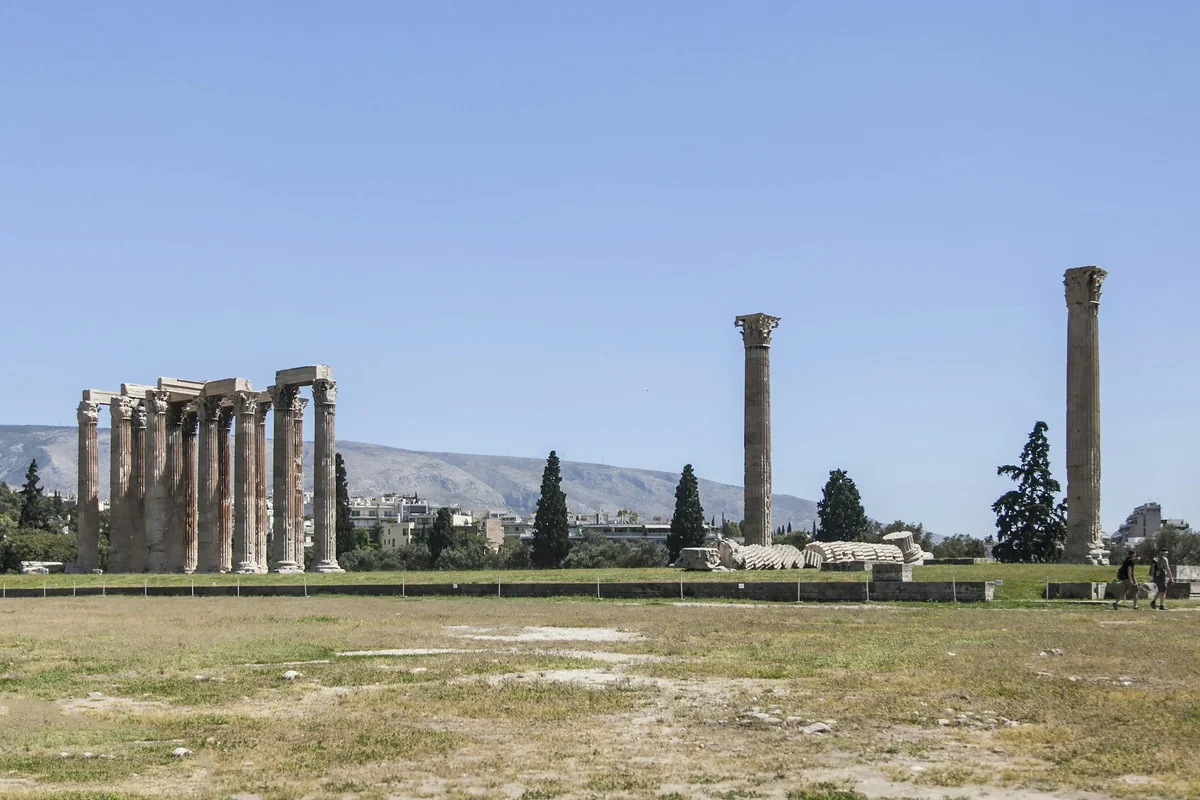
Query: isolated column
<point x="208" y="410"/>
<point x="245" y="507"/>
<point x="224" y="491"/>
<point x="88" y="558"/>
<point x="324" y="490"/>
<point x="262" y="525"/>
<point x="119" y="467"/>
<point x="188" y="488"/>
<point x="756" y="336"/>
<point x="137" y="488"/>
<point x="283" y="558"/>
<point x="158" y="495"/>
<point x="1084" y="539"/>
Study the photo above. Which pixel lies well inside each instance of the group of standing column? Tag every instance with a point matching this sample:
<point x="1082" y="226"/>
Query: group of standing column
<point x="188" y="476"/>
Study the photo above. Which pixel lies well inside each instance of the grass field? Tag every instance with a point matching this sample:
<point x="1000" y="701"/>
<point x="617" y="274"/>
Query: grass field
<point x="1021" y="581"/>
<point x="584" y="698"/>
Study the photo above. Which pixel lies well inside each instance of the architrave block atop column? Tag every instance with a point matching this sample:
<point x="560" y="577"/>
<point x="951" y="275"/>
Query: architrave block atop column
<point x="303" y="376"/>
<point x="226" y="386"/>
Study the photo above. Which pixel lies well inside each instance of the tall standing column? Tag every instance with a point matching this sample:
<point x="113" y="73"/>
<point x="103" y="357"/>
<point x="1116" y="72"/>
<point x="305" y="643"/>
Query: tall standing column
<point x="174" y="481"/>
<point x="262" y="523"/>
<point x="245" y="506"/>
<point x="137" y="487"/>
<point x="189" y="488"/>
<point x="89" y="489"/>
<point x="298" y="481"/>
<point x="158" y="495"/>
<point x="224" y="495"/>
<point x="283" y="558"/>
<point x="756" y="336"/>
<point x="324" y="490"/>
<point x="120" y="465"/>
<point x="208" y="411"/>
<point x="1085" y="544"/>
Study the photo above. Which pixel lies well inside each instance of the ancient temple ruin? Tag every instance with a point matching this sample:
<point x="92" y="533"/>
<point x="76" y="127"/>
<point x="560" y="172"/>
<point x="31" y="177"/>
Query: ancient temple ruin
<point x="187" y="475"/>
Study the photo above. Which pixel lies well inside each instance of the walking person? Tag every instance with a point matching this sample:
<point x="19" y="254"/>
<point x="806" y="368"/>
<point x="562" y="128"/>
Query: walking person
<point x="1161" y="572"/>
<point x="1127" y="585"/>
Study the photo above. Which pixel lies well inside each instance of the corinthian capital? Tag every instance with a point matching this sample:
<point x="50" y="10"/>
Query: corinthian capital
<point x="245" y="402"/>
<point x="156" y="402"/>
<point x="324" y="392"/>
<point x="139" y="415"/>
<point x="121" y="409"/>
<point x="207" y="408"/>
<point x="88" y="413"/>
<point x="756" y="329"/>
<point x="1083" y="285"/>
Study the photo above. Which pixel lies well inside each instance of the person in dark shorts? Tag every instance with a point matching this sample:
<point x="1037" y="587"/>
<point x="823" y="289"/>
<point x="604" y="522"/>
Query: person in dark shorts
<point x="1161" y="572"/>
<point x="1126" y="587"/>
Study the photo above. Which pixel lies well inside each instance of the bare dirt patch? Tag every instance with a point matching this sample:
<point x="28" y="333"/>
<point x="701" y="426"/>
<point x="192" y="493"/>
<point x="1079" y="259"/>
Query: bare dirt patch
<point x="546" y="633"/>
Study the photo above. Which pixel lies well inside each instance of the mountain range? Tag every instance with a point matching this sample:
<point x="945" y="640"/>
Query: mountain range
<point x="472" y="481"/>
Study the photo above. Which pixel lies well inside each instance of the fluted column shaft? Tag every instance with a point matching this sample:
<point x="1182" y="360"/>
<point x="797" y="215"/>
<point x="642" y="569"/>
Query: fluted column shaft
<point x="158" y="494"/>
<point x="224" y="491"/>
<point x="324" y="474"/>
<point x="756" y="335"/>
<point x="207" y="507"/>
<point x="137" y="488"/>
<point x="174" y="482"/>
<point x="262" y="523"/>
<point x="283" y="496"/>
<point x="120" y="465"/>
<point x="189" y="486"/>
<point x="245" y="506"/>
<point x="88" y="508"/>
<point x="298" y="481"/>
<point x="1084" y="538"/>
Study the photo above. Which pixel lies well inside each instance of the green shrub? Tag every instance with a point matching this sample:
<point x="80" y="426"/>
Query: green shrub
<point x="35" y="545"/>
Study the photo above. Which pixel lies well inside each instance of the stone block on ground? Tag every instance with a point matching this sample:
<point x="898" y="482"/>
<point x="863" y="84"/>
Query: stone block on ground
<point x="892" y="572"/>
<point x="704" y="559"/>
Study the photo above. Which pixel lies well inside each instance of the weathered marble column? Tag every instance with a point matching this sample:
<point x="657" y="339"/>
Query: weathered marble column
<point x="120" y="465"/>
<point x="324" y="489"/>
<point x="298" y="481"/>
<point x="283" y="497"/>
<point x="245" y="506"/>
<point x="224" y="491"/>
<point x="262" y="523"/>
<point x="175" y="498"/>
<point x="188" y="486"/>
<point x="157" y="476"/>
<point x="137" y="488"/>
<point x="89" y="489"/>
<point x="1084" y="540"/>
<point x="756" y="336"/>
<point x="207" y="507"/>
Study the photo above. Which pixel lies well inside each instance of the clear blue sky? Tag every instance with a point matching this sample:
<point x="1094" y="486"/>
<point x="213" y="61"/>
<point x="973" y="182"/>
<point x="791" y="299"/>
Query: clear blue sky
<point x="518" y="226"/>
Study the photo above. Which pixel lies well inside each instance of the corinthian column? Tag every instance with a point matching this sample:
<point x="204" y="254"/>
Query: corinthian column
<point x="120" y="465"/>
<point x="188" y="488"/>
<point x="262" y="524"/>
<point x="298" y="480"/>
<point x="89" y="489"/>
<point x="245" y="506"/>
<point x="174" y="481"/>
<point x="756" y="336"/>
<point x="208" y="410"/>
<point x="137" y="488"/>
<point x="283" y="559"/>
<point x="158" y="494"/>
<point x="324" y="490"/>
<point x="224" y="495"/>
<point x="1084" y="542"/>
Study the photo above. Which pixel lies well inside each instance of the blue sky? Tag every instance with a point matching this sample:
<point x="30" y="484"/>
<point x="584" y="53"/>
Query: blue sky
<point x="519" y="226"/>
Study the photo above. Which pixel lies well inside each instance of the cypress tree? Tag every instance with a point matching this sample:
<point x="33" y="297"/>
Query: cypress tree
<point x="687" y="524"/>
<point x="34" y="512"/>
<point x="1030" y="525"/>
<point x="442" y="536"/>
<point x="343" y="526"/>
<point x="841" y="511"/>
<point x="550" y="529"/>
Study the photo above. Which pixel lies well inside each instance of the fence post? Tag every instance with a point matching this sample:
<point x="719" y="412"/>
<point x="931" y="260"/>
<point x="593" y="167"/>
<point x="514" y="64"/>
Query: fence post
<point x="72" y="588"/>
<point x="403" y="591"/>
<point x="597" y="587"/>
<point x="239" y="587"/>
<point x="43" y="588"/>
<point x="145" y="587"/>
<point x="193" y="587"/>
<point x="797" y="590"/>
<point x="681" y="586"/>
<point x="306" y="586"/>
<point x="497" y="587"/>
<point x="1047" y="587"/>
<point x="868" y="585"/>
<point x="953" y="589"/>
<point x="103" y="591"/>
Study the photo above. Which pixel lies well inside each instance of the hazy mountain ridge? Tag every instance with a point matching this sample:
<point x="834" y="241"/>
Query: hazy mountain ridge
<point x="473" y="481"/>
